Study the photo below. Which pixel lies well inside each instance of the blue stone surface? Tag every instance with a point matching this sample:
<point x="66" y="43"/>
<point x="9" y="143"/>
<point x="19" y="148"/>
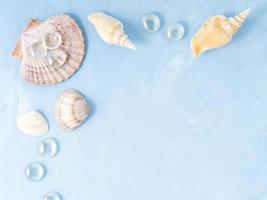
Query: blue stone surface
<point x="164" y="125"/>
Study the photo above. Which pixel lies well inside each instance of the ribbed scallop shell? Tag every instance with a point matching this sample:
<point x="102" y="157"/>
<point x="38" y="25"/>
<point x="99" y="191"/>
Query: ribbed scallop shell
<point x="71" y="109"/>
<point x="216" y="32"/>
<point x="32" y="123"/>
<point x="67" y="58"/>
<point x="17" y="50"/>
<point x="110" y="29"/>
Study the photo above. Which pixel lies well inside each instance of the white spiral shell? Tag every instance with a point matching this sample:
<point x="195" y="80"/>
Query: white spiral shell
<point x="237" y="21"/>
<point x="110" y="29"/>
<point x="71" y="109"/>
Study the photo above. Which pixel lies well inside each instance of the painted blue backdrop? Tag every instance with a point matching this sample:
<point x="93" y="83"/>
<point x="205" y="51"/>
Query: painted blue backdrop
<point x="164" y="125"/>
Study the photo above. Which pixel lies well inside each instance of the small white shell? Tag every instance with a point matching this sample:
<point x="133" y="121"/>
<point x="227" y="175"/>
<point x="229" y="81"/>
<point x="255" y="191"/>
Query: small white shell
<point x="110" y="29"/>
<point x="32" y="123"/>
<point x="71" y="109"/>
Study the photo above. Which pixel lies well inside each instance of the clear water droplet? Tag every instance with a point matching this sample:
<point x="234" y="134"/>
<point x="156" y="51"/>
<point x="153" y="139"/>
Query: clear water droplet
<point x="175" y="31"/>
<point x="48" y="147"/>
<point x="151" y="22"/>
<point x="37" y="50"/>
<point x="52" y="40"/>
<point x="50" y="59"/>
<point x="52" y="196"/>
<point x="35" y="171"/>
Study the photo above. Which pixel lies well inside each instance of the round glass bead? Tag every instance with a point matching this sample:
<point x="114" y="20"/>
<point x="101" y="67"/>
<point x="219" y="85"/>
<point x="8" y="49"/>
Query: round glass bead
<point x="52" y="196"/>
<point x="48" y="147"/>
<point x="175" y="31"/>
<point x="35" y="171"/>
<point x="49" y="59"/>
<point x="151" y="22"/>
<point x="37" y="50"/>
<point x="52" y="40"/>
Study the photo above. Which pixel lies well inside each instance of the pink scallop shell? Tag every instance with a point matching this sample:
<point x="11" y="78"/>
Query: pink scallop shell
<point x="40" y="72"/>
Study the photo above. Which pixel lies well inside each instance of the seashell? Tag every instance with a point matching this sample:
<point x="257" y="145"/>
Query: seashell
<point x="32" y="123"/>
<point x="71" y="109"/>
<point x="216" y="32"/>
<point x="42" y="65"/>
<point x="110" y="29"/>
<point x="17" y="50"/>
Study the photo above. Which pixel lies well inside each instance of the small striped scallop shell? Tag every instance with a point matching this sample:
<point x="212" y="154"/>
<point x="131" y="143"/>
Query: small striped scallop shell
<point x="66" y="58"/>
<point x="71" y="109"/>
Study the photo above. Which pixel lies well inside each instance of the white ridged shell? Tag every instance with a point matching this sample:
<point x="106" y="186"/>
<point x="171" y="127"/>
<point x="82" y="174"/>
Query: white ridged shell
<point x="71" y="109"/>
<point x="110" y="29"/>
<point x="32" y="123"/>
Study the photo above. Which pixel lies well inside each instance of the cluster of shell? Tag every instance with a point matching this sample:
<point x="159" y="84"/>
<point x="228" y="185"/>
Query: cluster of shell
<point x="216" y="32"/>
<point x="67" y="57"/>
<point x="71" y="107"/>
<point x="110" y="29"/>
<point x="71" y="111"/>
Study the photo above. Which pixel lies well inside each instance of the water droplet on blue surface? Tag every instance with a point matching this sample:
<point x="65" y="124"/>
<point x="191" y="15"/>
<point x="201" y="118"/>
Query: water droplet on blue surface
<point x="175" y="31"/>
<point x="48" y="147"/>
<point x="35" y="171"/>
<point x="52" y="196"/>
<point x="151" y="22"/>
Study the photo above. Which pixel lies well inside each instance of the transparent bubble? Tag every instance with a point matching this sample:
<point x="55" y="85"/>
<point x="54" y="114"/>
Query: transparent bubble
<point x="151" y="22"/>
<point x="49" y="59"/>
<point x="37" y="50"/>
<point x="52" y="196"/>
<point x="52" y="40"/>
<point x="35" y="171"/>
<point x="175" y="31"/>
<point x="48" y="147"/>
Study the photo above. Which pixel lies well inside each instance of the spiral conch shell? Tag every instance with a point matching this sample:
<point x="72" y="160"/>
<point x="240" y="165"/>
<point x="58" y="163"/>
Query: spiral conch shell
<point x="71" y="109"/>
<point x="110" y="29"/>
<point x="32" y="123"/>
<point x="216" y="32"/>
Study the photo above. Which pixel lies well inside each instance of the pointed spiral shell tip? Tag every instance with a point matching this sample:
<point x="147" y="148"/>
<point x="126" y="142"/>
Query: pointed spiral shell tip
<point x="247" y="10"/>
<point x="131" y="46"/>
<point x="245" y="13"/>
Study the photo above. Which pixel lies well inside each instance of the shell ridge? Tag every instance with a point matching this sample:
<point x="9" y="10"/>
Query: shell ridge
<point x="71" y="109"/>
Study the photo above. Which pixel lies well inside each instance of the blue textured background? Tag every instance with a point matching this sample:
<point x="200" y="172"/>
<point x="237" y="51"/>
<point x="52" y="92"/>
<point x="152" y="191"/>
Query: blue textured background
<point x="164" y="126"/>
